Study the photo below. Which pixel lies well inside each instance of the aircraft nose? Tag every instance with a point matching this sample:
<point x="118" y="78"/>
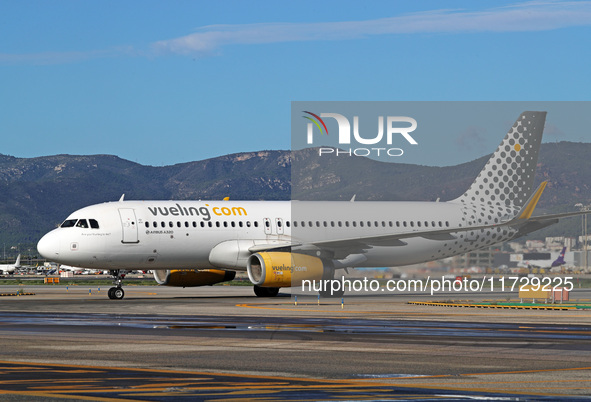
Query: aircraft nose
<point x="49" y="246"/>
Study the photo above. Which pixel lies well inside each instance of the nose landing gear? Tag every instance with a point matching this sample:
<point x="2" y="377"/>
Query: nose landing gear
<point x="117" y="291"/>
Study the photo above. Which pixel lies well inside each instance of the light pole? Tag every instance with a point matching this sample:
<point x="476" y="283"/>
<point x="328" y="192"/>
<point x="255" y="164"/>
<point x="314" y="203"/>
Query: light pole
<point x="584" y="208"/>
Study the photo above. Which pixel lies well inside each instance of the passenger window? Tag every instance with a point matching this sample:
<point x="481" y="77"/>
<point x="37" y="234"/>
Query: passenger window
<point x="295" y="224"/>
<point x="178" y="224"/>
<point x="233" y="224"/>
<point x="94" y="223"/>
<point x="195" y="224"/>
<point x="217" y="224"/>
<point x="186" y="224"/>
<point x="202" y="224"/>
<point x="354" y="224"/>
<point x="347" y="223"/>
<point x="361" y="224"/>
<point x="240" y="223"/>
<point x="225" y="224"/>
<point x="170" y="224"/>
<point x="279" y="224"/>
<point x="267" y="224"/>
<point x="155" y="224"/>
<point x="147" y="224"/>
<point x="82" y="224"/>
<point x="163" y="224"/>
<point x="69" y="223"/>
<point x="287" y="223"/>
<point x="210" y="224"/>
<point x="247" y="224"/>
<point x="256" y="224"/>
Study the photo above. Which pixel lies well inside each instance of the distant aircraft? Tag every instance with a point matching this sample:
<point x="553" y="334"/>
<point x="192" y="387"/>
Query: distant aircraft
<point x="10" y="268"/>
<point x="64" y="267"/>
<point x="545" y="263"/>
<point x="282" y="243"/>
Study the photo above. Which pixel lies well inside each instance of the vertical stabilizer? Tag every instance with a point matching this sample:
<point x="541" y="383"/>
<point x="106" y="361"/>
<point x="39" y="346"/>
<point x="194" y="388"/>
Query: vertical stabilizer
<point x="508" y="176"/>
<point x="17" y="264"/>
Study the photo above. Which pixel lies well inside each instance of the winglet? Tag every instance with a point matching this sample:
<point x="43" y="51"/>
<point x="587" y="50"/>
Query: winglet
<point x="122" y="197"/>
<point x="530" y="205"/>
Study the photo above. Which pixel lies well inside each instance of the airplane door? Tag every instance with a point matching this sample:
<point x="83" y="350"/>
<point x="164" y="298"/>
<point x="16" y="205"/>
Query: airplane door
<point x="279" y="224"/>
<point x="129" y="225"/>
<point x="267" y="225"/>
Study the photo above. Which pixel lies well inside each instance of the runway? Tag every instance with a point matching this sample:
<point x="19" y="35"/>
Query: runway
<point x="221" y="343"/>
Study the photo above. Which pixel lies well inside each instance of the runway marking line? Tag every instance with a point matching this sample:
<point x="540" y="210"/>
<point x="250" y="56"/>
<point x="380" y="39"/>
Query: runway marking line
<point x="65" y="396"/>
<point x="335" y="384"/>
<point x="494" y="306"/>
<point x="405" y="313"/>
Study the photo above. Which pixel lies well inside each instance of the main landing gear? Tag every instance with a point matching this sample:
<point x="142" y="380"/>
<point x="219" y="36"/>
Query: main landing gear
<point x="117" y="291"/>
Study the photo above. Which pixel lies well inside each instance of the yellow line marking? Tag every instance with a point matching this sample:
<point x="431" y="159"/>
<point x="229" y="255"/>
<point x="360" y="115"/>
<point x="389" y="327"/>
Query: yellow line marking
<point x="64" y="396"/>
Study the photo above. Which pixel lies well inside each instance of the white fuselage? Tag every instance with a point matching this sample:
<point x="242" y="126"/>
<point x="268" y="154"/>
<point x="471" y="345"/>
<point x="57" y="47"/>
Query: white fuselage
<point x="150" y="235"/>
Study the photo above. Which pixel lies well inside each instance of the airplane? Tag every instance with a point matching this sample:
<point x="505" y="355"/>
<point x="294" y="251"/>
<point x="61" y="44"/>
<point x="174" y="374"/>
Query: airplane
<point x="281" y="243"/>
<point x="10" y="268"/>
<point x="545" y="263"/>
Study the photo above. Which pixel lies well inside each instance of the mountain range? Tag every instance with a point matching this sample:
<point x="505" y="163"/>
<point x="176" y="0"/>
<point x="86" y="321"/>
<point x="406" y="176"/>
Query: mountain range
<point x="36" y="194"/>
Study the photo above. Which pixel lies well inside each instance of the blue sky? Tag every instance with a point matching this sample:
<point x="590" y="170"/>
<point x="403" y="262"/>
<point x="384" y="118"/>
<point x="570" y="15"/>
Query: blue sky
<point x="161" y="83"/>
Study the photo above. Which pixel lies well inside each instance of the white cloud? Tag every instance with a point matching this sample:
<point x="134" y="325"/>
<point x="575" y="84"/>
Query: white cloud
<point x="530" y="16"/>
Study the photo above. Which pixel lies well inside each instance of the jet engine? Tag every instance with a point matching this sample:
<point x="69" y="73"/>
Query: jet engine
<point x="280" y="269"/>
<point x="186" y="278"/>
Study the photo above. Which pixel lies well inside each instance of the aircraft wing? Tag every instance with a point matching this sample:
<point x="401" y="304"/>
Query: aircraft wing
<point x="522" y="221"/>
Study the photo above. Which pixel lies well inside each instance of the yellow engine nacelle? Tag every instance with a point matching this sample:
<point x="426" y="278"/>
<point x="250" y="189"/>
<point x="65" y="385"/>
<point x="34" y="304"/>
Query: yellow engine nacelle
<point x="279" y="270"/>
<point x="201" y="277"/>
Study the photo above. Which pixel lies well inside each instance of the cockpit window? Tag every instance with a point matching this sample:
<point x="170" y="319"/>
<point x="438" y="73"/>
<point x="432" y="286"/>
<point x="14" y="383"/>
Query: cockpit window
<point x="68" y="223"/>
<point x="82" y="224"/>
<point x="93" y="223"/>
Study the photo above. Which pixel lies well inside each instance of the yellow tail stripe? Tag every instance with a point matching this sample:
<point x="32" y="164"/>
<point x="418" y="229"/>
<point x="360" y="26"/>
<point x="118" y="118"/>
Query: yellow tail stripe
<point x="529" y="209"/>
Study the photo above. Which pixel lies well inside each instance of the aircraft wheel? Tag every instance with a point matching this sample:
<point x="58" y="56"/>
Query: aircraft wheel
<point x="118" y="293"/>
<point x="265" y="292"/>
<point x="110" y="293"/>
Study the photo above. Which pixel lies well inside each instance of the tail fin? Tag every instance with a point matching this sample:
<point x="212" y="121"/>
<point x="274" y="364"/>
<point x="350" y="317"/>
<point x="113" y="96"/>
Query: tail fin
<point x="508" y="176"/>
<point x="17" y="264"/>
<point x="560" y="260"/>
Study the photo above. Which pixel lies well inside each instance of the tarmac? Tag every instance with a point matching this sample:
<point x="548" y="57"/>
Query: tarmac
<point x="223" y="343"/>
